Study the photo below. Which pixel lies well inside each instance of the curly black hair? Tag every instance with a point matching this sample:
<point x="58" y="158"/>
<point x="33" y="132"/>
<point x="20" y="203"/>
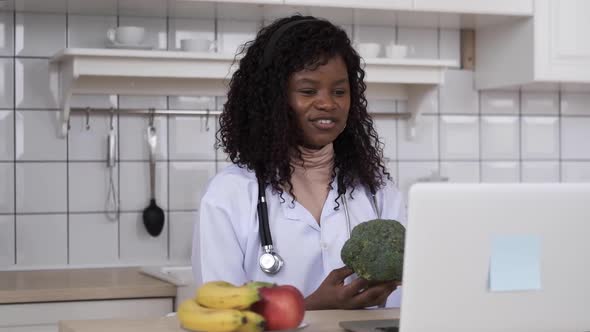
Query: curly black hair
<point x="259" y="130"/>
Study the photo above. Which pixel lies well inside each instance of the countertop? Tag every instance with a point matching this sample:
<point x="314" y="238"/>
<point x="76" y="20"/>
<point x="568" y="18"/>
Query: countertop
<point x="319" y="321"/>
<point x="80" y="284"/>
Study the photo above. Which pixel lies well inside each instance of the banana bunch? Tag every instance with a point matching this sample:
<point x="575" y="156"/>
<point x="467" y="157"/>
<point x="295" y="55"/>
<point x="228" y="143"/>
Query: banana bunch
<point x="220" y="306"/>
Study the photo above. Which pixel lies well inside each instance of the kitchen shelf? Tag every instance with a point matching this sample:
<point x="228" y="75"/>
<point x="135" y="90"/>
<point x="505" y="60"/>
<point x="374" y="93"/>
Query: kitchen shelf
<point x="154" y="72"/>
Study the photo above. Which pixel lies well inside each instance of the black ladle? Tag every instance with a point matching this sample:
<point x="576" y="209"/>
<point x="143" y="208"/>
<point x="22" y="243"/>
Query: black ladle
<point x="153" y="215"/>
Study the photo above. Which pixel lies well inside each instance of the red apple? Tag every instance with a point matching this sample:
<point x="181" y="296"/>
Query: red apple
<point x="283" y="307"/>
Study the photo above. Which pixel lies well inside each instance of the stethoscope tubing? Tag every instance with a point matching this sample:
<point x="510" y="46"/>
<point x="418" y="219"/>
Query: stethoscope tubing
<point x="265" y="235"/>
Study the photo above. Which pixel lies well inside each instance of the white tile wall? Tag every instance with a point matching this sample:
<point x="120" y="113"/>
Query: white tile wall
<point x="500" y="137"/>
<point x="89" y="31"/>
<point x="572" y="171"/>
<point x="41" y="240"/>
<point x="95" y="175"/>
<point x="39" y="34"/>
<point x="575" y="103"/>
<point x="460" y="171"/>
<point x="181" y="235"/>
<point x="7" y="240"/>
<point x="189" y="28"/>
<point x="6" y="33"/>
<point x="89" y="144"/>
<point x="450" y="45"/>
<point x="6" y="135"/>
<point x="458" y="95"/>
<point x="425" y="145"/>
<point x="540" y="171"/>
<point x="199" y="135"/>
<point x="135" y="185"/>
<point x="37" y="137"/>
<point x="93" y="239"/>
<point x="410" y="172"/>
<point x="54" y="191"/>
<point x="155" y="30"/>
<point x="41" y="187"/>
<point x="133" y="139"/>
<point x="187" y="183"/>
<point x="500" y="171"/>
<point x="35" y="86"/>
<point x="137" y="246"/>
<point x="459" y="137"/>
<point x="6" y="79"/>
<point x="575" y="134"/>
<point x="421" y="42"/>
<point x="540" y="103"/>
<point x="387" y="131"/>
<point x="231" y="34"/>
<point x="499" y="102"/>
<point x="7" y="188"/>
<point x="382" y="35"/>
<point x="540" y="137"/>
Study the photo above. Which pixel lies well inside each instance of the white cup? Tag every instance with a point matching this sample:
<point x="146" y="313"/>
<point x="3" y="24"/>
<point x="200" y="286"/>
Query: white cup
<point x="394" y="51"/>
<point x="197" y="45"/>
<point x="369" y="50"/>
<point x="128" y="35"/>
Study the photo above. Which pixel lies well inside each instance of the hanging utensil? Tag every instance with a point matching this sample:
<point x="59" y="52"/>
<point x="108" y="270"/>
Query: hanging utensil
<point x="112" y="204"/>
<point x="153" y="215"/>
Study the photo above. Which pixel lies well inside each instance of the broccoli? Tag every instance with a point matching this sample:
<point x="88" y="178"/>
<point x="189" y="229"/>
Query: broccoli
<point x="375" y="250"/>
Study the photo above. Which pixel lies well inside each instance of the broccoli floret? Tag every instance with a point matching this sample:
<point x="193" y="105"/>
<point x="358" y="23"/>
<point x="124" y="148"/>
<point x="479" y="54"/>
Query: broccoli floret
<point x="375" y="250"/>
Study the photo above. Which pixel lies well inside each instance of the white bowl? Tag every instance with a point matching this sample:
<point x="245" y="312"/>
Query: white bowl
<point x="369" y="50"/>
<point x="196" y="45"/>
<point x="396" y="51"/>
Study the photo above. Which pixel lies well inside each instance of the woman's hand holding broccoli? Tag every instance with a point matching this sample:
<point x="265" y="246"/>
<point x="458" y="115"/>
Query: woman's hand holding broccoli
<point x="360" y="293"/>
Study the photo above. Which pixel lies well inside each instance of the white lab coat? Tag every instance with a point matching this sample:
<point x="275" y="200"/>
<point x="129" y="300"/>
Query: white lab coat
<point x="230" y="245"/>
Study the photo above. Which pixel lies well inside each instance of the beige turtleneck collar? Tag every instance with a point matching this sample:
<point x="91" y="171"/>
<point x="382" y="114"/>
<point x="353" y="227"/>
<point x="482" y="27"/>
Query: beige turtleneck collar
<point x="311" y="178"/>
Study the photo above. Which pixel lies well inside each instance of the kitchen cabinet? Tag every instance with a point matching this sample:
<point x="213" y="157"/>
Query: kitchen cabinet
<point x="551" y="47"/>
<point x="497" y="7"/>
<point x="44" y="317"/>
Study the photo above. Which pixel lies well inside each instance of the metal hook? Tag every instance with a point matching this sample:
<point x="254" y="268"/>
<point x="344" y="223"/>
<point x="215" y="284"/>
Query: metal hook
<point x="207" y="120"/>
<point x="152" y="114"/>
<point x="87" y="118"/>
<point x="112" y="118"/>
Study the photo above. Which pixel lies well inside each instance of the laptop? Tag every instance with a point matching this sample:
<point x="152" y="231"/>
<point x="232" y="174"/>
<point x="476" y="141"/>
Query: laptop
<point x="451" y="231"/>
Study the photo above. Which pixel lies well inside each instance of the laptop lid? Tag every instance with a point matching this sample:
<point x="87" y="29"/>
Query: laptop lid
<point x="451" y="230"/>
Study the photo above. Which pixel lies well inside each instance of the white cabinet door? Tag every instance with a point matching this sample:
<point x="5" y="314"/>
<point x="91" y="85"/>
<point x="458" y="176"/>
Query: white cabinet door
<point x="506" y="7"/>
<point x="375" y="4"/>
<point x="562" y="51"/>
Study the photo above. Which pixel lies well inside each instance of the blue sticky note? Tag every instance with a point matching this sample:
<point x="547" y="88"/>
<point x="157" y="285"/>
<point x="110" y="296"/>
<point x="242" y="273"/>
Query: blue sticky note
<point x="515" y="263"/>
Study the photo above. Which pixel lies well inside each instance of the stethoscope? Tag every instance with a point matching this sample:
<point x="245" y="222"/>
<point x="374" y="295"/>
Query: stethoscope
<point x="270" y="261"/>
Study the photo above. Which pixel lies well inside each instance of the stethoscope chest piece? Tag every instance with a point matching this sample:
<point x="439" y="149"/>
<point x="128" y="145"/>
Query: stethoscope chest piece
<point x="270" y="262"/>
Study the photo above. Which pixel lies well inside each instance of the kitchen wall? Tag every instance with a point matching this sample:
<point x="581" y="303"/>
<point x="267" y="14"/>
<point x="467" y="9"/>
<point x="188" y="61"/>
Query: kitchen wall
<point x="53" y="191"/>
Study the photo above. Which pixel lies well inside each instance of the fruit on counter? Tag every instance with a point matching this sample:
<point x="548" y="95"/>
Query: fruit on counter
<point x="254" y="323"/>
<point x="219" y="306"/>
<point x="194" y="317"/>
<point x="224" y="295"/>
<point x="283" y="307"/>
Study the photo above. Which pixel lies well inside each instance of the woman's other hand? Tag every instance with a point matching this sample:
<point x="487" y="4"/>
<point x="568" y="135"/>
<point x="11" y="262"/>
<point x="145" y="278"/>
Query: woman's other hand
<point x="360" y="293"/>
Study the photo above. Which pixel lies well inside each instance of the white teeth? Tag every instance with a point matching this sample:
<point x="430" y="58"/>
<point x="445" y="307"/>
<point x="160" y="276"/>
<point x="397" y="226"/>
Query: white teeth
<point x="325" y="121"/>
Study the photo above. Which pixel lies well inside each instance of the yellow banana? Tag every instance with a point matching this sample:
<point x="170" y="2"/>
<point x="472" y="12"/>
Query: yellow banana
<point x="194" y="317"/>
<point x="259" y="284"/>
<point x="255" y="323"/>
<point x="223" y="295"/>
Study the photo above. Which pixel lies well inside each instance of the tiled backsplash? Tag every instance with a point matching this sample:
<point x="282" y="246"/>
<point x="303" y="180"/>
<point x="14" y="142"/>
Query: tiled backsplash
<point x="53" y="191"/>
